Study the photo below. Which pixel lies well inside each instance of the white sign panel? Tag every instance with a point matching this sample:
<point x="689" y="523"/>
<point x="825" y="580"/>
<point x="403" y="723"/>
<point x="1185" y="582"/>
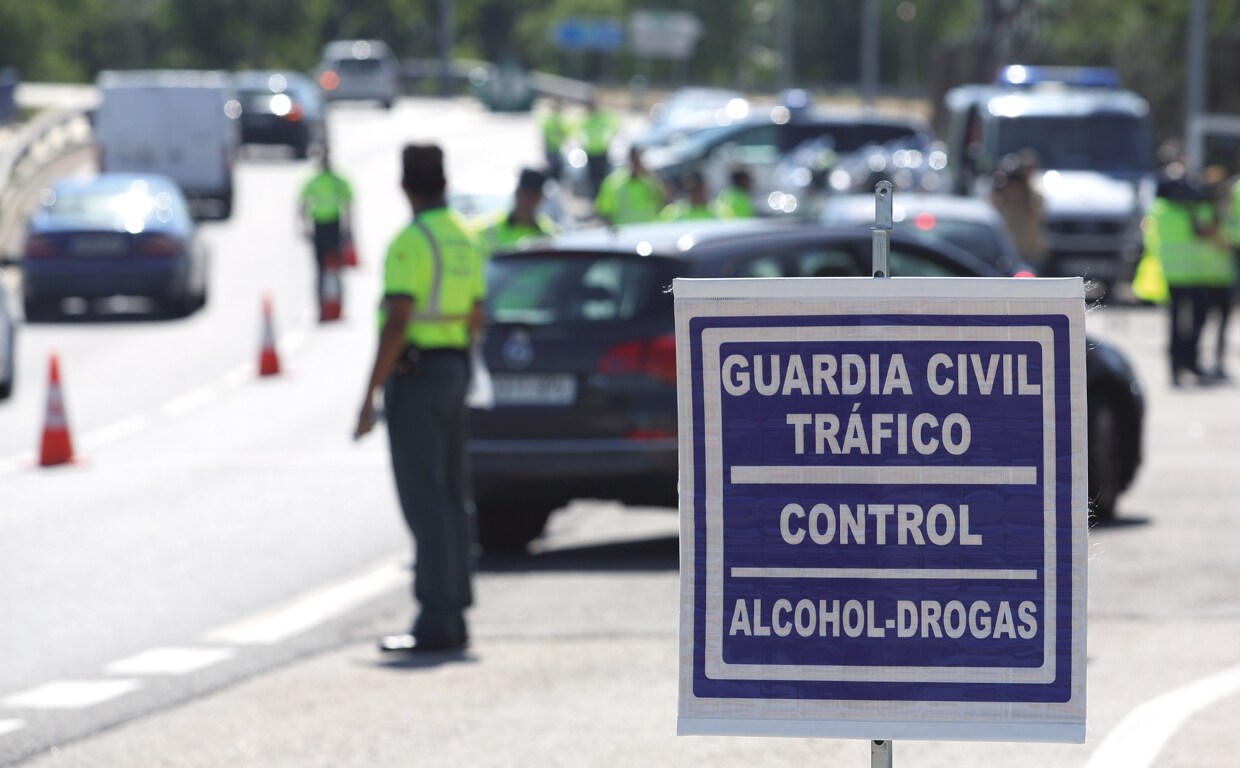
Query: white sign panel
<point x="883" y="508"/>
<point x="664" y="34"/>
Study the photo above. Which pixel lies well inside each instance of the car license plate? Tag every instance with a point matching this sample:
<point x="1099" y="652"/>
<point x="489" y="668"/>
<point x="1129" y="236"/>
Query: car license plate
<point x="99" y="245"/>
<point x="535" y="389"/>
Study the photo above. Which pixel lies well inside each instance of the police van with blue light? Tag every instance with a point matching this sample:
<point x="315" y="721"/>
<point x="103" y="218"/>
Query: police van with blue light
<point x="1095" y="149"/>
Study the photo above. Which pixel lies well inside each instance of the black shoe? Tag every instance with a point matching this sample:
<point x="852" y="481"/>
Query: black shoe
<point x="413" y="644"/>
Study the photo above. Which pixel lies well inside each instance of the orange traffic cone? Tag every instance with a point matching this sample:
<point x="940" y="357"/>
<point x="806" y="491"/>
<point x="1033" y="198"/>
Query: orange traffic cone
<point x="268" y="360"/>
<point x="348" y="252"/>
<point x="56" y="447"/>
<point x="331" y="298"/>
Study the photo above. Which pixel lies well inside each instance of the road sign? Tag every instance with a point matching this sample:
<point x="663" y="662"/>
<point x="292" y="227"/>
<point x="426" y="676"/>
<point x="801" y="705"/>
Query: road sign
<point x="588" y="33"/>
<point x="664" y="34"/>
<point x="883" y="508"/>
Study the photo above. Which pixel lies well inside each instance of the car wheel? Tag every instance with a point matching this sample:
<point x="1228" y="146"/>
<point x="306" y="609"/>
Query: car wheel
<point x="301" y="151"/>
<point x="507" y="526"/>
<point x="1104" y="461"/>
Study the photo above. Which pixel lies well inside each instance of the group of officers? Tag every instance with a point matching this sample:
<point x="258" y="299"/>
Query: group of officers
<point x="1191" y="263"/>
<point x="631" y="194"/>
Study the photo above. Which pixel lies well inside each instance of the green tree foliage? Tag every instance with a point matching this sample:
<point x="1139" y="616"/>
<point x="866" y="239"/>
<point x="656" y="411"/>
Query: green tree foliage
<point x="926" y="45"/>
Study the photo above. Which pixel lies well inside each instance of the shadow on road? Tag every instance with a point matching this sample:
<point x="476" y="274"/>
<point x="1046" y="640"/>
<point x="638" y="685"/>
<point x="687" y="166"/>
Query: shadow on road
<point x="1115" y="523"/>
<point x="419" y="661"/>
<point x="660" y="553"/>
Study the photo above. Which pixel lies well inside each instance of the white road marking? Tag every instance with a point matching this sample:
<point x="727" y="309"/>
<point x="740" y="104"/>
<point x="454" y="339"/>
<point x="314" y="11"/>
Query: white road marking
<point x="113" y="432"/>
<point x="311" y="459"/>
<point x="312" y="608"/>
<point x="71" y="694"/>
<point x="1139" y="737"/>
<point x="239" y="376"/>
<point x="11" y="465"/>
<point x="190" y="401"/>
<point x="8" y="726"/>
<point x="170" y="661"/>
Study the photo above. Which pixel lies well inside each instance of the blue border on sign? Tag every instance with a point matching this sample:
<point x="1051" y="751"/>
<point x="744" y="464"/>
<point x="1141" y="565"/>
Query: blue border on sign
<point x="1058" y="690"/>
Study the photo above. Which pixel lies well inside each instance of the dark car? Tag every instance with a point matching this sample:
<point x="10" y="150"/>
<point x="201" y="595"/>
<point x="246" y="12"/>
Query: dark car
<point x="115" y="234"/>
<point x="581" y="347"/>
<point x="282" y="108"/>
<point x="758" y="142"/>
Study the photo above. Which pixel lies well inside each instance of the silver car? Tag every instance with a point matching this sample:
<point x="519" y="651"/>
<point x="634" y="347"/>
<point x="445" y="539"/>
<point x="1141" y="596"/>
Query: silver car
<point x="359" y="70"/>
<point x="969" y="223"/>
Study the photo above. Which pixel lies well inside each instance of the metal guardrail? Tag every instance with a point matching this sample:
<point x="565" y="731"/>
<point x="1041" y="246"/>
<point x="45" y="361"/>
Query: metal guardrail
<point x="47" y="137"/>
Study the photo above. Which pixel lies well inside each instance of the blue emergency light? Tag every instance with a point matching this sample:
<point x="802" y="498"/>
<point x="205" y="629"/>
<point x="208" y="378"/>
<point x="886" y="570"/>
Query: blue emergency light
<point x="1021" y="75"/>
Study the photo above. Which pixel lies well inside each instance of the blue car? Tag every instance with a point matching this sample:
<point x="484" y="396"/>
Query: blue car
<point x="113" y="235"/>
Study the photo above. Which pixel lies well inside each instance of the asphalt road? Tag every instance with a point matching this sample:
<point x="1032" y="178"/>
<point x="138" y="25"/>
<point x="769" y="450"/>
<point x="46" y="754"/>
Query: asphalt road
<point x="205" y="583"/>
<point x="202" y="493"/>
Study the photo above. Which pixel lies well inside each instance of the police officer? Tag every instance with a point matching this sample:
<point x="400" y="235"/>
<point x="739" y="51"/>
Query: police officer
<point x="1184" y="228"/>
<point x="733" y="201"/>
<point x="629" y="195"/>
<point x="693" y="205"/>
<point x="325" y="212"/>
<point x="597" y="128"/>
<point x="508" y="230"/>
<point x="554" y="131"/>
<point x="433" y="292"/>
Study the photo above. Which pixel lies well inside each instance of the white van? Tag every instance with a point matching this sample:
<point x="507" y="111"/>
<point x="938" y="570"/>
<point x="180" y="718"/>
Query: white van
<point x="178" y="123"/>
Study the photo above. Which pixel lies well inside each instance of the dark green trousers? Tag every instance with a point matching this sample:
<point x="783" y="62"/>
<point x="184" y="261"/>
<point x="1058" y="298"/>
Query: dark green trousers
<point x="426" y="417"/>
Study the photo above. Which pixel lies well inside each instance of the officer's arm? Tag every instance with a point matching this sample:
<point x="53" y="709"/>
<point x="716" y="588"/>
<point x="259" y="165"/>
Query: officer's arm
<point x="476" y="319"/>
<point x="398" y="309"/>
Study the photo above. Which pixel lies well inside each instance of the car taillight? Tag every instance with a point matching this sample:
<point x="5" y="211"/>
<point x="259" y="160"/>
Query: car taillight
<point x="295" y="113"/>
<point x="159" y="246"/>
<point x="1024" y="273"/>
<point x="655" y="358"/>
<point x="38" y="247"/>
<point x="329" y="80"/>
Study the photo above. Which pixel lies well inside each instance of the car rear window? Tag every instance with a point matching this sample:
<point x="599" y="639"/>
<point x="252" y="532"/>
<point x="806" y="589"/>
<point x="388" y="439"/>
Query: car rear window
<point x="358" y="66"/>
<point x="574" y="289"/>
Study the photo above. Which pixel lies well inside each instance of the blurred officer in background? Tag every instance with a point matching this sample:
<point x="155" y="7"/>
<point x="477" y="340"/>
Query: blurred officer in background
<point x="629" y="195"/>
<point x="693" y="204"/>
<point x="325" y="214"/>
<point x="733" y="201"/>
<point x="1185" y="228"/>
<point x="597" y="130"/>
<point x="554" y="131"/>
<point x="432" y="309"/>
<point x="506" y="231"/>
<point x="1019" y="202"/>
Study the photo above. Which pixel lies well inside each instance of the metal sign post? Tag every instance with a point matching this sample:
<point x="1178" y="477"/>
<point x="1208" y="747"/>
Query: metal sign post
<point x="880" y="750"/>
<point x="882" y="227"/>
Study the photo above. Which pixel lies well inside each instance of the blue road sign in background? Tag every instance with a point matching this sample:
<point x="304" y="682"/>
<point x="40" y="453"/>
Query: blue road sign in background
<point x="884" y="500"/>
<point x="588" y="33"/>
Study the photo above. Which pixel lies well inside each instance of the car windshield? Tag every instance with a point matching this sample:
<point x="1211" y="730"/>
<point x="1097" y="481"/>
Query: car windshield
<point x="1079" y="143"/>
<point x="358" y="66"/>
<point x="847" y="137"/>
<point x="99" y="206"/>
<point x="572" y="289"/>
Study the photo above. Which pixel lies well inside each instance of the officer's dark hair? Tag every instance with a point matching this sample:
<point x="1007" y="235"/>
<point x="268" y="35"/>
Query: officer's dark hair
<point x="531" y="180"/>
<point x="422" y="170"/>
